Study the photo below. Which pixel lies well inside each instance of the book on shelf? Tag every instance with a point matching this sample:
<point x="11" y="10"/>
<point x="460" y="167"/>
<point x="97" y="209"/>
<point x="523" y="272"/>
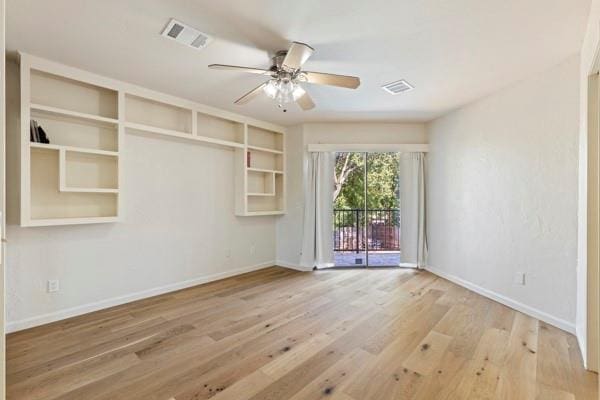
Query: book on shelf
<point x="37" y="133"/>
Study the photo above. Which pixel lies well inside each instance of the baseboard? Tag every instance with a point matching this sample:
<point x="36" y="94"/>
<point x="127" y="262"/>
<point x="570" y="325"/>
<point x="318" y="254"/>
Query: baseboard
<point x="290" y="265"/>
<point x="31" y="322"/>
<point x="525" y="309"/>
<point x="581" y="340"/>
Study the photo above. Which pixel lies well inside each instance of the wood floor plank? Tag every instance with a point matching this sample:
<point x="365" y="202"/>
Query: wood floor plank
<point x="278" y="334"/>
<point x="332" y="380"/>
<point x="554" y="364"/>
<point x="245" y="388"/>
<point x="518" y="375"/>
<point x="427" y="355"/>
<point x="445" y="381"/>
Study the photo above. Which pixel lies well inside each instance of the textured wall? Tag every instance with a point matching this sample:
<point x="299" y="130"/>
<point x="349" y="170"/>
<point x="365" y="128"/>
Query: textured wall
<point x="502" y="191"/>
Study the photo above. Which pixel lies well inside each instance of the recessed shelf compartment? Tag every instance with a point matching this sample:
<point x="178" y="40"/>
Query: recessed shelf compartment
<point x="260" y="160"/>
<point x="261" y="183"/>
<point x="38" y="109"/>
<point x="50" y="206"/>
<point x="210" y="126"/>
<point x="268" y="204"/>
<point x="63" y="95"/>
<point x="264" y="139"/>
<point x="264" y="204"/>
<point x="161" y="116"/>
<point x="67" y="131"/>
<point x="89" y="172"/>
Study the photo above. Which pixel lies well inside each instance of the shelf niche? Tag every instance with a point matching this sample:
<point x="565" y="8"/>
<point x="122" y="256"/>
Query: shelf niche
<point x="265" y="161"/>
<point x="68" y="94"/>
<point x="48" y="202"/>
<point x="153" y="113"/>
<point x="262" y="138"/>
<point x="90" y="171"/>
<point x="219" y="128"/>
<point x="65" y="131"/>
<point x="273" y="204"/>
<point x="261" y="183"/>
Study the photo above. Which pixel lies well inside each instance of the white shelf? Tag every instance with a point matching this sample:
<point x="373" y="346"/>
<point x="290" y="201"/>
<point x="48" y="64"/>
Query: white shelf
<point x="182" y="135"/>
<point x="88" y="190"/>
<point x="271" y="171"/>
<point x="260" y="194"/>
<point x="72" y="114"/>
<point x="264" y="149"/>
<point x="260" y="213"/>
<point x="72" y="148"/>
<point x="69" y="221"/>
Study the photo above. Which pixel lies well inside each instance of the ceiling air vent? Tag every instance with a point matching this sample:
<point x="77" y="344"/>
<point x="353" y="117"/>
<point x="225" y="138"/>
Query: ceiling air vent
<point x="185" y="34"/>
<point x="398" y="87"/>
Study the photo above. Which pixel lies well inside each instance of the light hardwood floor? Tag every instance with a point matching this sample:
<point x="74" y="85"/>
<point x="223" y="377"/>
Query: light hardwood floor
<point x="280" y="334"/>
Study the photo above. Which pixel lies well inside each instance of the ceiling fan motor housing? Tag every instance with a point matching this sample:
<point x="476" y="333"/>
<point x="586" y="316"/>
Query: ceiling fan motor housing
<point x="278" y="59"/>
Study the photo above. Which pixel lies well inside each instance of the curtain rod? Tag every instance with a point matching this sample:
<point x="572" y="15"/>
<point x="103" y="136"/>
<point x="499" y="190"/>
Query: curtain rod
<point x="350" y="147"/>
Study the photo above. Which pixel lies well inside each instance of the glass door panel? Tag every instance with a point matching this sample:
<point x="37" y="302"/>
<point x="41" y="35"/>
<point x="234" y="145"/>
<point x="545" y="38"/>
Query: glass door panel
<point x="383" y="209"/>
<point x="349" y="235"/>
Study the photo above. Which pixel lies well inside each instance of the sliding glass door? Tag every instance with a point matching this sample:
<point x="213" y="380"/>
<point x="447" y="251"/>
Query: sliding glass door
<point x="366" y="210"/>
<point x="383" y="209"/>
<point x="349" y="203"/>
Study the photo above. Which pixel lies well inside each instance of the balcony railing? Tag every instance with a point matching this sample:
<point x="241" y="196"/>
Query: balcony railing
<point x="380" y="230"/>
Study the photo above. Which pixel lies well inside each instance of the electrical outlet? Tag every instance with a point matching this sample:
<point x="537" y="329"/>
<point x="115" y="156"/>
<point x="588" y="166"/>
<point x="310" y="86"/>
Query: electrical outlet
<point x="53" y="286"/>
<point x="520" y="278"/>
<point x="252" y="249"/>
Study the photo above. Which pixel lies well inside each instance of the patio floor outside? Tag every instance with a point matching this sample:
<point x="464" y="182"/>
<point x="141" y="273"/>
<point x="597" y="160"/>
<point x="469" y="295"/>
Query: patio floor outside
<point x="376" y="259"/>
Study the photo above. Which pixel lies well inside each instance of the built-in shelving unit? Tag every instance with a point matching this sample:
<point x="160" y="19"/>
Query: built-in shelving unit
<point x="75" y="179"/>
<point x="263" y="181"/>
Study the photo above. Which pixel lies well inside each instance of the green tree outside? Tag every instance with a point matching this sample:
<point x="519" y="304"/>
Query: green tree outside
<point x="382" y="182"/>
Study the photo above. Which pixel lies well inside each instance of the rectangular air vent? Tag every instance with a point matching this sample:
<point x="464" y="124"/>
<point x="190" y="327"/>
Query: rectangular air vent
<point x="398" y="87"/>
<point x="185" y="34"/>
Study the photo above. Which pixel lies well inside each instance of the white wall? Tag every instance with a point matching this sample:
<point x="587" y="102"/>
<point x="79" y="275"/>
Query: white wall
<point x="289" y="227"/>
<point x="589" y="55"/>
<point x="178" y="229"/>
<point x="502" y="194"/>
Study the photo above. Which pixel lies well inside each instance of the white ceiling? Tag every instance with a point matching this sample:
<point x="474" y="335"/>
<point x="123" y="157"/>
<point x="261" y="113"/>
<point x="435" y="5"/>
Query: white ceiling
<point x="452" y="51"/>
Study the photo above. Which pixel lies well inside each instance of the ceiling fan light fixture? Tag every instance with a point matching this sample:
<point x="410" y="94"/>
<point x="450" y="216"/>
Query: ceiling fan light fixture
<point x="271" y="88"/>
<point x="286" y="91"/>
<point x="286" y="77"/>
<point x="298" y="91"/>
<point x="283" y="91"/>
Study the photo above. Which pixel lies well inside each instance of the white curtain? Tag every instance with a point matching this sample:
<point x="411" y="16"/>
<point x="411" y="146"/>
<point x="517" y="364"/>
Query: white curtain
<point x="413" y="237"/>
<point x="317" y="243"/>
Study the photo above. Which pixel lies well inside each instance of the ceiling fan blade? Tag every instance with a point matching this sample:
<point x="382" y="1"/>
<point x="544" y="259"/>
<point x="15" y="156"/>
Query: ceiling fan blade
<point x="305" y="102"/>
<point x="320" y="78"/>
<point x="240" y="69"/>
<point x="250" y="95"/>
<point x="296" y="56"/>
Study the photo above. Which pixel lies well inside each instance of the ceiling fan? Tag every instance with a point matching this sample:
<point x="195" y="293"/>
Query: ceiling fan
<point x="284" y="86"/>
